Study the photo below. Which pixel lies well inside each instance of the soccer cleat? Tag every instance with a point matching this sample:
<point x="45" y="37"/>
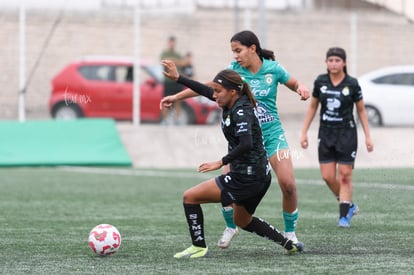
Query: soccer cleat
<point x="352" y="211"/>
<point x="291" y="236"/>
<point x="192" y="252"/>
<point x="344" y="222"/>
<point x="296" y="248"/>
<point x="227" y="236"/>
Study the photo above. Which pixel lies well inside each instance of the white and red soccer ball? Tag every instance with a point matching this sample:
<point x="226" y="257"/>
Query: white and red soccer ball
<point x="104" y="239"/>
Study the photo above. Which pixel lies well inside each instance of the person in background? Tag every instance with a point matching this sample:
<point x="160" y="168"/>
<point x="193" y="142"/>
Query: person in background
<point x="337" y="92"/>
<point x="248" y="178"/>
<point x="172" y="87"/>
<point x="188" y="68"/>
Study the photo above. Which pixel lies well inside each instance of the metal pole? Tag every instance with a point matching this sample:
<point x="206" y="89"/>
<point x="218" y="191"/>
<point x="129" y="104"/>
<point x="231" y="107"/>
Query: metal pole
<point x="236" y="17"/>
<point x="354" y="44"/>
<point x="137" y="67"/>
<point x="22" y="59"/>
<point x="262" y="23"/>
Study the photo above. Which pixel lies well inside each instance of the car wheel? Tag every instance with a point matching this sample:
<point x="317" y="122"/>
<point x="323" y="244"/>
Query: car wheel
<point x="67" y="112"/>
<point x="374" y="116"/>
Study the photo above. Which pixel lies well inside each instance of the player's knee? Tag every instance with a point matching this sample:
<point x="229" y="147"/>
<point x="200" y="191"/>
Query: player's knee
<point x="188" y="197"/>
<point x="345" y="178"/>
<point x="288" y="187"/>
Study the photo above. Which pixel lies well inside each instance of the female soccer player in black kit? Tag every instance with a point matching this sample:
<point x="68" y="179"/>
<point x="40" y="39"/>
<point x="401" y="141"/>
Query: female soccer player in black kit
<point x="337" y="139"/>
<point x="249" y="177"/>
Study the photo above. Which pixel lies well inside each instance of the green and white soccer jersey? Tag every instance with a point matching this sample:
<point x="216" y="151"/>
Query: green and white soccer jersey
<point x="264" y="87"/>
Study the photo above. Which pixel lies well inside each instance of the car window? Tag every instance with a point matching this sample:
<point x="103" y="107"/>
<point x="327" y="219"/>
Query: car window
<point x="396" y="79"/>
<point x="119" y="74"/>
<point x="127" y="73"/>
<point x="98" y="72"/>
<point x="123" y="74"/>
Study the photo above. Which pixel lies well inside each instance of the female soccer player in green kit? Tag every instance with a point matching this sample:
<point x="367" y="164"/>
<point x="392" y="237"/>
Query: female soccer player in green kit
<point x="248" y="178"/>
<point x="259" y="69"/>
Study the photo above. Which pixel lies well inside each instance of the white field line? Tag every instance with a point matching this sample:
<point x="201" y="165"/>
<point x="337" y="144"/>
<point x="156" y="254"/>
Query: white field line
<point x="195" y="175"/>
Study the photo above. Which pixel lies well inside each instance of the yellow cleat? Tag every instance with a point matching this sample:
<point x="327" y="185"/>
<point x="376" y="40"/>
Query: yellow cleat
<point x="192" y="252"/>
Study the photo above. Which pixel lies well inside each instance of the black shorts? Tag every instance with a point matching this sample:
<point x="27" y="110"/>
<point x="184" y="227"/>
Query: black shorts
<point x="337" y="145"/>
<point x="243" y="190"/>
<point x="171" y="88"/>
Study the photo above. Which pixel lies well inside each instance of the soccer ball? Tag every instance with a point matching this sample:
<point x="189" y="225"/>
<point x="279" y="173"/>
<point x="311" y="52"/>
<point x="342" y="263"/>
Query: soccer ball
<point x="104" y="239"/>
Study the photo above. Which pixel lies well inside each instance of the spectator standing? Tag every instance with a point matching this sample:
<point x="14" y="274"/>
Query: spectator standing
<point x="172" y="87"/>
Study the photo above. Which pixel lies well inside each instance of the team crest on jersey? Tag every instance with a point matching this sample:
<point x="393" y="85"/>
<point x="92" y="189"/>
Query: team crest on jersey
<point x="345" y="91"/>
<point x="227" y="121"/>
<point x="269" y="79"/>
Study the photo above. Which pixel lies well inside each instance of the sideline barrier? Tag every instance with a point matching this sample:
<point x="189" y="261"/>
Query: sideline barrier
<point x="58" y="142"/>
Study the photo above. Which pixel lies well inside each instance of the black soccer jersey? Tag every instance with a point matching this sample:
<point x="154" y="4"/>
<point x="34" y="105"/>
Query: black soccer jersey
<point x="239" y="121"/>
<point x="337" y="102"/>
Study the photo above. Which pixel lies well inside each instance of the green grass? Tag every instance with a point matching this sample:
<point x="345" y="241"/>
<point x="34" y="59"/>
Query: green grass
<point x="47" y="213"/>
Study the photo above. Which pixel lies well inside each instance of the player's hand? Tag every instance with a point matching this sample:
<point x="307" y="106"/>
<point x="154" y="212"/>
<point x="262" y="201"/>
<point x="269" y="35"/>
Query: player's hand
<point x="369" y="144"/>
<point x="210" y="166"/>
<point x="167" y="102"/>
<point x="304" y="141"/>
<point x="170" y="69"/>
<point x="303" y="92"/>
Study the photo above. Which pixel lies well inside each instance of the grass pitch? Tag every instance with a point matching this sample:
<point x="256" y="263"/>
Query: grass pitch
<point x="47" y="213"/>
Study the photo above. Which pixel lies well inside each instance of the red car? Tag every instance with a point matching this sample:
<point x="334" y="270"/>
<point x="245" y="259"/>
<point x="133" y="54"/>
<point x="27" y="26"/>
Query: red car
<point x="103" y="87"/>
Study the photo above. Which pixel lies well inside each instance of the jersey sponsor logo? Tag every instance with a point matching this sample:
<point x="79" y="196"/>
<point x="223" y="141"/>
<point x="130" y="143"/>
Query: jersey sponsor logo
<point x="324" y="90"/>
<point x="254" y="83"/>
<point x="240" y="112"/>
<point x="241" y="127"/>
<point x="333" y="103"/>
<point x="263" y="114"/>
<point x="326" y="117"/>
<point x="260" y="92"/>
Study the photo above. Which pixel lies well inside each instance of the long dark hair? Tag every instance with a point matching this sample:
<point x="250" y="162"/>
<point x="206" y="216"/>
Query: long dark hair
<point x="248" y="38"/>
<point x="233" y="80"/>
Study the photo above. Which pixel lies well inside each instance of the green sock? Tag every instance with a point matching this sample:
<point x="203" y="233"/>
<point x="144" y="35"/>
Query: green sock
<point x="228" y="216"/>
<point x="290" y="220"/>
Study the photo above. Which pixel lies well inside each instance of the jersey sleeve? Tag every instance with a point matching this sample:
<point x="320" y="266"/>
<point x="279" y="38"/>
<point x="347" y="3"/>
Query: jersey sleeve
<point x="283" y="74"/>
<point x="197" y="87"/>
<point x="243" y="121"/>
<point x="357" y="96"/>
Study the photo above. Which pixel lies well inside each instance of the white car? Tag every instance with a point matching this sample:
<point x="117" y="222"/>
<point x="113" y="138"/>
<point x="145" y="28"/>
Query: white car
<point x="389" y="96"/>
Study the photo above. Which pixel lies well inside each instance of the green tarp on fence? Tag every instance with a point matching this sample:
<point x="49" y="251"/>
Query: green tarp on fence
<point x="57" y="142"/>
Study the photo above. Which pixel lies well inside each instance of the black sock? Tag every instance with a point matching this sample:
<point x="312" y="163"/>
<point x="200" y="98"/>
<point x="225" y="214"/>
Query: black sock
<point x="343" y="209"/>
<point x="266" y="230"/>
<point x="195" y="220"/>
